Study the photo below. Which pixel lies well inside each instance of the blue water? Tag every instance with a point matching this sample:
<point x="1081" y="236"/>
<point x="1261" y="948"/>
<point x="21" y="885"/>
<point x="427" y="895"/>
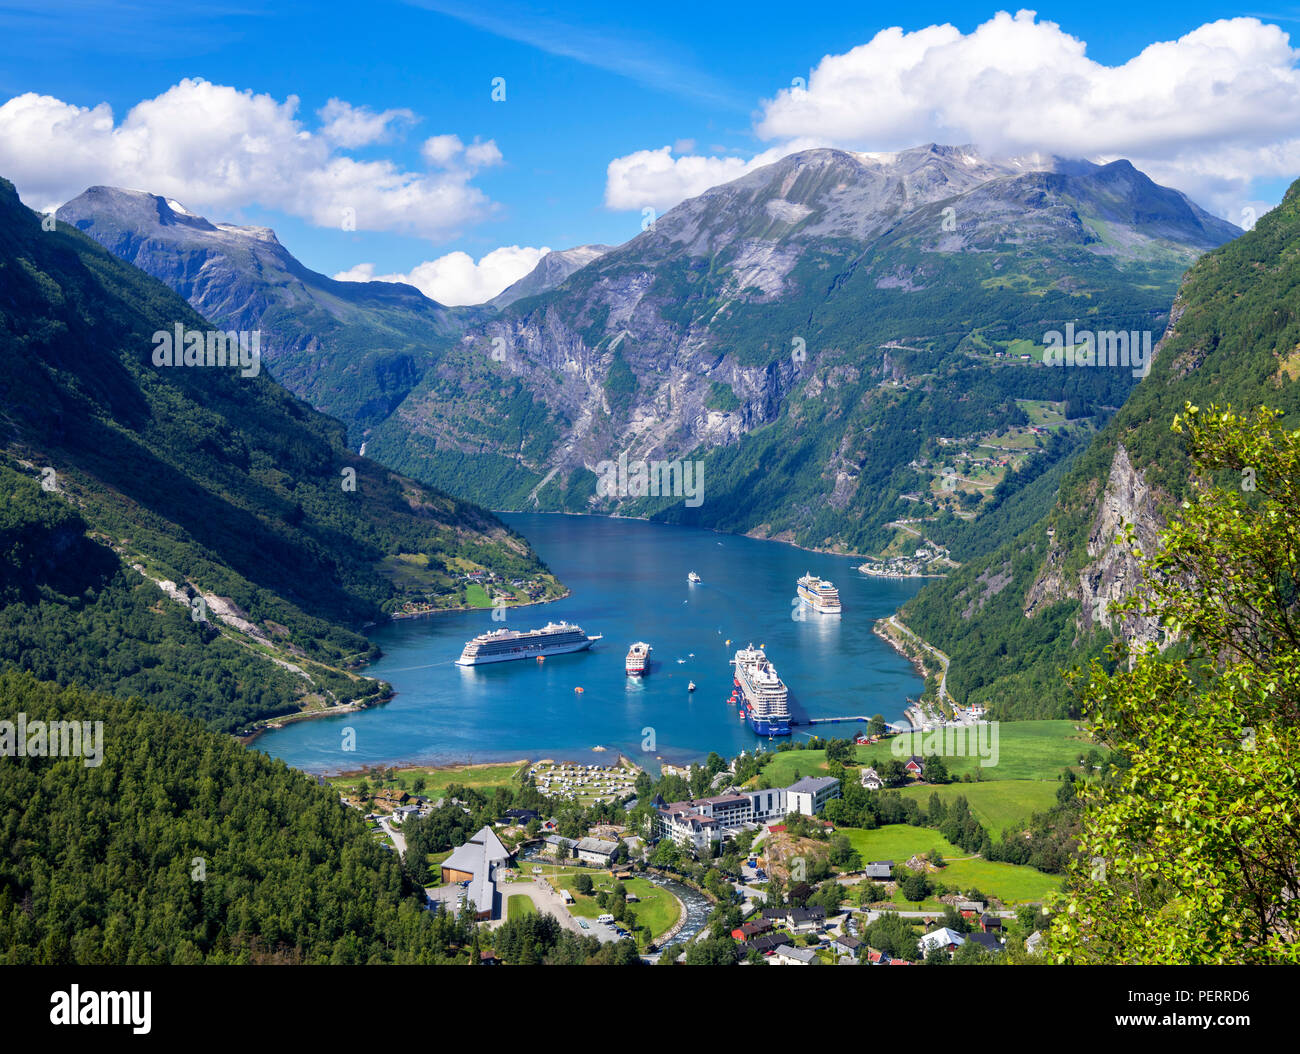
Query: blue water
<point x="628" y="582"/>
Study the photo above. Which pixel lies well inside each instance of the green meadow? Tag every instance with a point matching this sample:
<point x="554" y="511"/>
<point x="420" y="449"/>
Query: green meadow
<point x="998" y="804"/>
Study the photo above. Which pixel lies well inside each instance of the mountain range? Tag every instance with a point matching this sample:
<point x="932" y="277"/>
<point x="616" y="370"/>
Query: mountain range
<point x="809" y="332"/>
<point x="195" y="535"/>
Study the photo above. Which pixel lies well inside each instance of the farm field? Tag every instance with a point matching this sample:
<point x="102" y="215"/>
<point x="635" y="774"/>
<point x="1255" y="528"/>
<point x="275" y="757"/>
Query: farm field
<point x="1010" y="883"/>
<point x="897" y="842"/>
<point x="1027" y="750"/>
<point x="997" y="804"/>
<point x="436" y="780"/>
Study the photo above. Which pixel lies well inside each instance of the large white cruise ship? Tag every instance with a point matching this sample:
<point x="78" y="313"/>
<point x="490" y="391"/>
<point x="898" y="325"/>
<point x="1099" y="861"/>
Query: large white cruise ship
<point x="820" y="595"/>
<point x="764" y="696"/>
<point x="502" y="645"/>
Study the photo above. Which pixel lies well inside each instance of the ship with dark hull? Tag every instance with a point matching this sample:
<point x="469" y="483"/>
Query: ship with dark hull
<point x="763" y="696"/>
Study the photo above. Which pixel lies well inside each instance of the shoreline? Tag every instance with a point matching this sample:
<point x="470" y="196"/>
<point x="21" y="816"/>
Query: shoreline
<point x="398" y="616"/>
<point x="623" y="761"/>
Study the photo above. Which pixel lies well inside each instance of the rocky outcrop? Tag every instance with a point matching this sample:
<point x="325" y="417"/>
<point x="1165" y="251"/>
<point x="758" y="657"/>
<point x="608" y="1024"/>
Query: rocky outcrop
<point x="1114" y="573"/>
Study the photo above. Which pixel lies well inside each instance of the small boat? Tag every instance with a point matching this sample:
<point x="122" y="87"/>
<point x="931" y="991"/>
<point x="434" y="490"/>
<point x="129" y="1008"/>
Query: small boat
<point x="541" y="659"/>
<point x="692" y="577"/>
<point x="691" y="687"/>
<point x="578" y="691"/>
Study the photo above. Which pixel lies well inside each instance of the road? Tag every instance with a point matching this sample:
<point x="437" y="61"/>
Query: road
<point x="399" y="839"/>
<point x="943" y="659"/>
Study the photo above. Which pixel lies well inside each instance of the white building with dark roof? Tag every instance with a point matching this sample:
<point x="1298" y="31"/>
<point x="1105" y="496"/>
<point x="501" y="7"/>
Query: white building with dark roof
<point x="703" y="820"/>
<point x="596" y="851"/>
<point x="810" y="795"/>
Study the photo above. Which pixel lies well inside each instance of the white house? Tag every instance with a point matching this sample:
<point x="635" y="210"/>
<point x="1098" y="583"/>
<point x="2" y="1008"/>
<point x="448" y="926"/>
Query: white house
<point x="596" y="851"/>
<point x="943" y="937"/>
<point x="787" y="955"/>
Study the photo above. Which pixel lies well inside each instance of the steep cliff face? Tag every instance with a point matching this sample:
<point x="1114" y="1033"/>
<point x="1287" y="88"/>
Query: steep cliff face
<point x="1114" y="573"/>
<point x="1233" y="339"/>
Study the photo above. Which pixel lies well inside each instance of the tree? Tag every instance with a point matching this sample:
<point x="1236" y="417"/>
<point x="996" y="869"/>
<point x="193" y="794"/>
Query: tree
<point x="936" y="770"/>
<point x="916" y="887"/>
<point x="893" y="935"/>
<point x="582" y="883"/>
<point x="1188" y="853"/>
<point x="969" y="954"/>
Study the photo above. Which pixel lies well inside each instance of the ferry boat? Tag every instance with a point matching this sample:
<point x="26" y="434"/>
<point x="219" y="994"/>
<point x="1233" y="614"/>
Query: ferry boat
<point x="638" y="659"/>
<point x="764" y="697"/>
<point x="502" y="645"/>
<point x="820" y="595"/>
<point x="692" y="577"/>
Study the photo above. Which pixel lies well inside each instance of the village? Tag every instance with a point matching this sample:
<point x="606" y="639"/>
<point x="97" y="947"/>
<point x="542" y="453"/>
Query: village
<point x="753" y="855"/>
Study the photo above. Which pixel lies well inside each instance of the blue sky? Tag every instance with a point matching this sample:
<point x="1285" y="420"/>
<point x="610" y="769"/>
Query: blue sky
<point x="585" y="84"/>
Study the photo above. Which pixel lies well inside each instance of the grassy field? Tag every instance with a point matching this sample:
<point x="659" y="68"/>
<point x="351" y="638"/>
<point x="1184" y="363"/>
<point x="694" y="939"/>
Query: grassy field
<point x="1026" y="750"/>
<point x="789" y="765"/>
<point x="897" y="842"/>
<point x="519" y="905"/>
<point x="476" y="596"/>
<point x="997" y="804"/>
<point x="436" y="780"/>
<point x="1010" y="883"/>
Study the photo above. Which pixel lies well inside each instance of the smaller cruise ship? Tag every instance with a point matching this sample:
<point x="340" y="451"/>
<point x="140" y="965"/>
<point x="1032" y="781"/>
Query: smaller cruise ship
<point x="638" y="659"/>
<point x="820" y="595"/>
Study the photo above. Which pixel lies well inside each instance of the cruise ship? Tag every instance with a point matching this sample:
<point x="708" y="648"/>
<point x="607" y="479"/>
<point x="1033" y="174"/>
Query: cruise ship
<point x="502" y="645"/>
<point x="638" y="659"/>
<point x="820" y="595"/>
<point x="763" y="695"/>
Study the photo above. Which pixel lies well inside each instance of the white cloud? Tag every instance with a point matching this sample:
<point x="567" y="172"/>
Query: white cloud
<point x="352" y="126"/>
<point x="219" y="150"/>
<point x="656" y="179"/>
<point x="1208" y="113"/>
<point x="448" y="150"/>
<point x="456" y="279"/>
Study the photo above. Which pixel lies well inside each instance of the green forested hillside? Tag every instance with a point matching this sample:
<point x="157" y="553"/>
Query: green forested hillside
<point x="225" y="485"/>
<point x="1236" y="342"/>
<point x="183" y="847"/>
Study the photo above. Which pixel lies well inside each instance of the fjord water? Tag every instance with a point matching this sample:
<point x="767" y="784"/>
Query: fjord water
<point x="628" y="582"/>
